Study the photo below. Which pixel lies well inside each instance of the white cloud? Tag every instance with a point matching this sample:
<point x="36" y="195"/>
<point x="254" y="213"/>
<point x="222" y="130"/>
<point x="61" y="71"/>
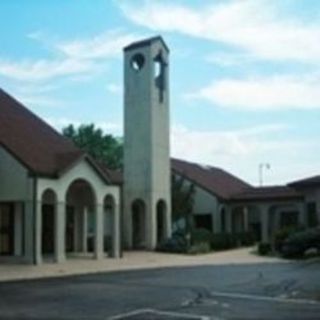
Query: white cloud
<point x="228" y="144"/>
<point x="40" y="70"/>
<point x="105" y="45"/>
<point x="229" y="59"/>
<point x="272" y="93"/>
<point x="114" y="88"/>
<point x="256" y="26"/>
<point x="79" y="58"/>
<point x="240" y="151"/>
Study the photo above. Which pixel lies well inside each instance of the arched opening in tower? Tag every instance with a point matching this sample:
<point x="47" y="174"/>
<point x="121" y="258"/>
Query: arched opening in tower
<point x="161" y="221"/>
<point x="138" y="224"/>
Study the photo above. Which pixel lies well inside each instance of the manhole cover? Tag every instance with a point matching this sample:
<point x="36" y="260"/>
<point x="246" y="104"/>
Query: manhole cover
<point x="156" y="315"/>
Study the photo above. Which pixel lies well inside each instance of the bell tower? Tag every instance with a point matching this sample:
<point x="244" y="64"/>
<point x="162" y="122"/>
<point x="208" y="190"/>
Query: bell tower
<point x="146" y="190"/>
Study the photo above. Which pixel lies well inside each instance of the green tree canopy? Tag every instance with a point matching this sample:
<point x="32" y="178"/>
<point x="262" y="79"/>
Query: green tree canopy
<point x="102" y="147"/>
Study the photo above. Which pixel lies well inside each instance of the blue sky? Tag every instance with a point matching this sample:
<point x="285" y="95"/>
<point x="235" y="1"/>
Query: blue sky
<point x="245" y="74"/>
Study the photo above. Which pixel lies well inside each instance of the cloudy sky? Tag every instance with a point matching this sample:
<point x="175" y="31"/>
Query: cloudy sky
<point x="245" y="74"/>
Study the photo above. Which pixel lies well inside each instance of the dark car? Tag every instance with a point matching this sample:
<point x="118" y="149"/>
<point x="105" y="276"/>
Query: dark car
<point x="298" y="243"/>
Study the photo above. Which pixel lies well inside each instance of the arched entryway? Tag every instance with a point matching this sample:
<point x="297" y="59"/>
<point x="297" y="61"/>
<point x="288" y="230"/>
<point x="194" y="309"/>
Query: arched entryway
<point x="80" y="217"/>
<point x="48" y="212"/>
<point x="108" y="224"/>
<point x="161" y="220"/>
<point x="138" y="224"/>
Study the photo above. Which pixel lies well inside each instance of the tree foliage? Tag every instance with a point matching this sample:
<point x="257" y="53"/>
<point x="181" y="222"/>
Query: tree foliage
<point x="102" y="147"/>
<point x="182" y="198"/>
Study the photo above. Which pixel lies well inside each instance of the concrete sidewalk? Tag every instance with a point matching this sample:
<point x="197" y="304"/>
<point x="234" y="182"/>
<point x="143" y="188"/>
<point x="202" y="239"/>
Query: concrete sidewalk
<point x="132" y="260"/>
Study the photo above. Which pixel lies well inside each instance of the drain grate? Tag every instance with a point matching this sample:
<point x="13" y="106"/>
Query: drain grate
<point x="149" y="314"/>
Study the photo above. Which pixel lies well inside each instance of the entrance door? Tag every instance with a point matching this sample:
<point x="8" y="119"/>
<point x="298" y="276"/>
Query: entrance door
<point x="6" y="229"/>
<point x="47" y="228"/>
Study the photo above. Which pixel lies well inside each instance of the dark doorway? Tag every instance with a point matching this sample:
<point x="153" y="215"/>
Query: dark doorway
<point x="6" y="229"/>
<point x="138" y="225"/>
<point x="70" y="229"/>
<point x="48" y="226"/>
<point x="203" y="221"/>
<point x="161" y="221"/>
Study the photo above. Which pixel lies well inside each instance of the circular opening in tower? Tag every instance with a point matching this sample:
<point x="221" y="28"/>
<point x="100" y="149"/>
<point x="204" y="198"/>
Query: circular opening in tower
<point x="137" y="62"/>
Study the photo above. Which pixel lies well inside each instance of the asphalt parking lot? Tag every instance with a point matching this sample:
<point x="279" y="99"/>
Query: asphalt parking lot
<point x="251" y="291"/>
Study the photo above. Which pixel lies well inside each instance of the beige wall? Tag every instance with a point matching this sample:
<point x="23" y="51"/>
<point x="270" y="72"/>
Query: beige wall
<point x="206" y="203"/>
<point x="146" y="144"/>
<point x="83" y="170"/>
<point x="15" y="185"/>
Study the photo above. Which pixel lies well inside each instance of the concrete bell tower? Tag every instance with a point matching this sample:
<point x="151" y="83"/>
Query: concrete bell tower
<point x="146" y="191"/>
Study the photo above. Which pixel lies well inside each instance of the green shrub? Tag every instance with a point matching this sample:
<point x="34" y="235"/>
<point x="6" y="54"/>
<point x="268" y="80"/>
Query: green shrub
<point x="176" y="244"/>
<point x="201" y="247"/>
<point x="282" y="234"/>
<point x="200" y="236"/>
<point x="264" y="248"/>
<point x="298" y="243"/>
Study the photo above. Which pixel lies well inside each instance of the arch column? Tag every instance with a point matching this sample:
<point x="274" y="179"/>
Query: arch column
<point x="60" y="232"/>
<point x="29" y="218"/>
<point x="127" y="224"/>
<point x="228" y="219"/>
<point x="84" y="245"/>
<point x="168" y="225"/>
<point x="38" y="233"/>
<point x="150" y="226"/>
<point x="98" y="248"/>
<point x="264" y="223"/>
<point x="116" y="231"/>
<point x="302" y="217"/>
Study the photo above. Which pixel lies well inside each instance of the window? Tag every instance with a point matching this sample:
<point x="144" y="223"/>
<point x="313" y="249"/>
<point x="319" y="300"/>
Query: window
<point x="203" y="221"/>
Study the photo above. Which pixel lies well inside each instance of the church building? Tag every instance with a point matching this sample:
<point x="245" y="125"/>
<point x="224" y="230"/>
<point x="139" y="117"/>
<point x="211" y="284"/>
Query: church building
<point x="56" y="202"/>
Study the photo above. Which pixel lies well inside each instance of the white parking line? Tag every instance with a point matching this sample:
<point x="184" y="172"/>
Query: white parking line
<point x="263" y="298"/>
<point x="157" y="312"/>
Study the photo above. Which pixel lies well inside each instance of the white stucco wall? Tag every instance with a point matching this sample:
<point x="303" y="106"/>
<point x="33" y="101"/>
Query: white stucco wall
<point x="15" y="185"/>
<point x="83" y="170"/>
<point x="205" y="202"/>
<point x="146" y="144"/>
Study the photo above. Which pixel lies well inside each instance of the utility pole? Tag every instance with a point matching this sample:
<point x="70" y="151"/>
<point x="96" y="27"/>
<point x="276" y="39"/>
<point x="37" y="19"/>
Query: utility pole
<point x="262" y="166"/>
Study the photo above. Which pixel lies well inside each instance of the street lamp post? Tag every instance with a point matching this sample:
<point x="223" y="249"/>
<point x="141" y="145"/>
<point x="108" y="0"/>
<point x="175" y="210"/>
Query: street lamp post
<point x="261" y="167"/>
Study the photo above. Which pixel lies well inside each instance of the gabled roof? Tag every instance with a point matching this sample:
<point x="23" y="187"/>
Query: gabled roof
<point x="34" y="143"/>
<point x="307" y="182"/>
<point x="214" y="180"/>
<point x="114" y="176"/>
<point x="275" y="193"/>
<point x="146" y="42"/>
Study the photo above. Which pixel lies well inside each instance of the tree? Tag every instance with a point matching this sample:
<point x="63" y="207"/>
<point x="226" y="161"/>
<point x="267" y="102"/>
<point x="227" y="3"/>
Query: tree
<point x="102" y="147"/>
<point x="182" y="198"/>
